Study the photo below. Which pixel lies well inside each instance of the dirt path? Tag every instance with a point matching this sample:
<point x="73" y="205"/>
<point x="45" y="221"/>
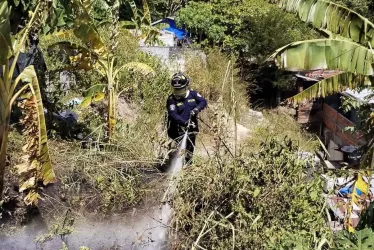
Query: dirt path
<point x="144" y="229"/>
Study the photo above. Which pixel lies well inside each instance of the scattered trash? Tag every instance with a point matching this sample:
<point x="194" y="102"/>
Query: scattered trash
<point x="67" y="116"/>
<point x="74" y="102"/>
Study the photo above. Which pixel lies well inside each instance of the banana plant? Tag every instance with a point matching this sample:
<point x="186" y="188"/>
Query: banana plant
<point x="96" y="55"/>
<point x="360" y="240"/>
<point x="37" y="166"/>
<point x="353" y="63"/>
<point x="142" y="22"/>
<point x="331" y="17"/>
<point x="348" y="51"/>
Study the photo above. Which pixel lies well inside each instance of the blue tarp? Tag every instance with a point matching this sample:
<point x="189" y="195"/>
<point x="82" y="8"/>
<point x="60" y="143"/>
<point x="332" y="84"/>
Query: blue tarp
<point x="179" y="33"/>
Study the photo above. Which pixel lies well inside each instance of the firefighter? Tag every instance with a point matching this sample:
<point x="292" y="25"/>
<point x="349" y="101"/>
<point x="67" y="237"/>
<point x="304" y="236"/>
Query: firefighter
<point x="182" y="105"/>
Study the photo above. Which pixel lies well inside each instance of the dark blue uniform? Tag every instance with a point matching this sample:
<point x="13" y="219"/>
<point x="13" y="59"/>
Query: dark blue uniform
<point x="178" y="114"/>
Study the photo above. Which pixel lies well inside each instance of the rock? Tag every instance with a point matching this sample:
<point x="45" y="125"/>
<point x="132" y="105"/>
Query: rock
<point x="242" y="131"/>
<point x="256" y="114"/>
<point x="287" y="110"/>
<point x="125" y="111"/>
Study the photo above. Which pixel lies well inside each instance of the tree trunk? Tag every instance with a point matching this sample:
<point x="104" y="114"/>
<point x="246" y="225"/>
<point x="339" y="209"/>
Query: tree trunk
<point x="112" y="113"/>
<point x="4" y="130"/>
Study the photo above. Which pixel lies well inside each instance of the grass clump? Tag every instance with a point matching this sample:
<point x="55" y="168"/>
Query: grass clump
<point x="96" y="180"/>
<point x="215" y="77"/>
<point x="254" y="201"/>
<point x="281" y="125"/>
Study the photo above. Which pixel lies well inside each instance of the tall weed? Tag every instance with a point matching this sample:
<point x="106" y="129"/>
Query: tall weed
<point x="254" y="201"/>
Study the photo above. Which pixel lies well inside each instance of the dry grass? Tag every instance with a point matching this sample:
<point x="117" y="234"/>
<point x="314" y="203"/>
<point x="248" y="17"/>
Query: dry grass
<point x="253" y="201"/>
<point x="217" y="79"/>
<point x="280" y="126"/>
<point x="96" y="181"/>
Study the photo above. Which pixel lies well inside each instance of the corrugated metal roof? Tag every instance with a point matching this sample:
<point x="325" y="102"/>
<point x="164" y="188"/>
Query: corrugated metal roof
<point x="318" y="74"/>
<point x="163" y="20"/>
<point x="306" y="78"/>
<point x="360" y="95"/>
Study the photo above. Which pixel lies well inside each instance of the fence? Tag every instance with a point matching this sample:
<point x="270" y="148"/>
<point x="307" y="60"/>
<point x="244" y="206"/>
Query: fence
<point x="337" y="124"/>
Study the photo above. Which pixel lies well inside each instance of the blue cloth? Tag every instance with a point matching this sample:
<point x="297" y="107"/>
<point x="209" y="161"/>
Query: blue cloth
<point x="346" y="191"/>
<point x="179" y="111"/>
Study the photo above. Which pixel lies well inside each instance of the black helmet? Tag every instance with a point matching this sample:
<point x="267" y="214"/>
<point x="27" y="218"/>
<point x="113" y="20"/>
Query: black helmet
<point x="179" y="81"/>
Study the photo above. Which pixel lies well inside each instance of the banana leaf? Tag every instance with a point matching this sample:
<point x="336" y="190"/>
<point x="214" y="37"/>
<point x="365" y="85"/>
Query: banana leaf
<point x="146" y="13"/>
<point x="5" y="38"/>
<point x="45" y="171"/>
<point x="332" y="54"/>
<point x="89" y="35"/>
<point x="136" y="67"/>
<point x="333" y="17"/>
<point x="332" y="85"/>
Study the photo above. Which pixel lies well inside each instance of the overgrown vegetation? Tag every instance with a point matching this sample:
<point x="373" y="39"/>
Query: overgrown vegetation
<point x="349" y="47"/>
<point x="96" y="182"/>
<point x="250" y="29"/>
<point x="255" y="201"/>
<point x="280" y="125"/>
<point x="246" y="193"/>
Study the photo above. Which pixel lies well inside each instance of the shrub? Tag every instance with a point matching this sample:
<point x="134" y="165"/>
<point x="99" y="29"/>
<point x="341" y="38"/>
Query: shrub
<point x="256" y="201"/>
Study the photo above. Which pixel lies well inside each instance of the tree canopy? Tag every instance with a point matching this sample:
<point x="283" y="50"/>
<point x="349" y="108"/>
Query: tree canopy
<point x="248" y="28"/>
<point x="363" y="7"/>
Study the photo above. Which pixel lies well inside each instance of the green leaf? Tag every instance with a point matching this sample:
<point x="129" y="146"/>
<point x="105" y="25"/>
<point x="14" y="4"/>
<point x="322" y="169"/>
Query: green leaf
<point x="89" y="35"/>
<point x="332" y="54"/>
<point x="86" y="102"/>
<point x="140" y="68"/>
<point x="5" y="36"/>
<point x="127" y="25"/>
<point x="146" y="13"/>
<point x="314" y="195"/>
<point x="256" y="192"/>
<point x="98" y="96"/>
<point x="332" y="85"/>
<point x="333" y="17"/>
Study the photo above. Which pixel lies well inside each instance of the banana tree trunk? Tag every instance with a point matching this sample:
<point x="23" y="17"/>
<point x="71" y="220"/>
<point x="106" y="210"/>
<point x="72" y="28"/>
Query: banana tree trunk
<point x="112" y="113"/>
<point x="4" y="130"/>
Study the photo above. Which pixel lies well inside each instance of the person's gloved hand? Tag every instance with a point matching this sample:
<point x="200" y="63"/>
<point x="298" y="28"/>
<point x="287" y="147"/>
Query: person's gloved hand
<point x="192" y="125"/>
<point x="194" y="112"/>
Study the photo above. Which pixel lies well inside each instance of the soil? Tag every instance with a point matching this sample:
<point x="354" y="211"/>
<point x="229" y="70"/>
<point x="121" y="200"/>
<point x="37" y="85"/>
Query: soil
<point x="143" y="228"/>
